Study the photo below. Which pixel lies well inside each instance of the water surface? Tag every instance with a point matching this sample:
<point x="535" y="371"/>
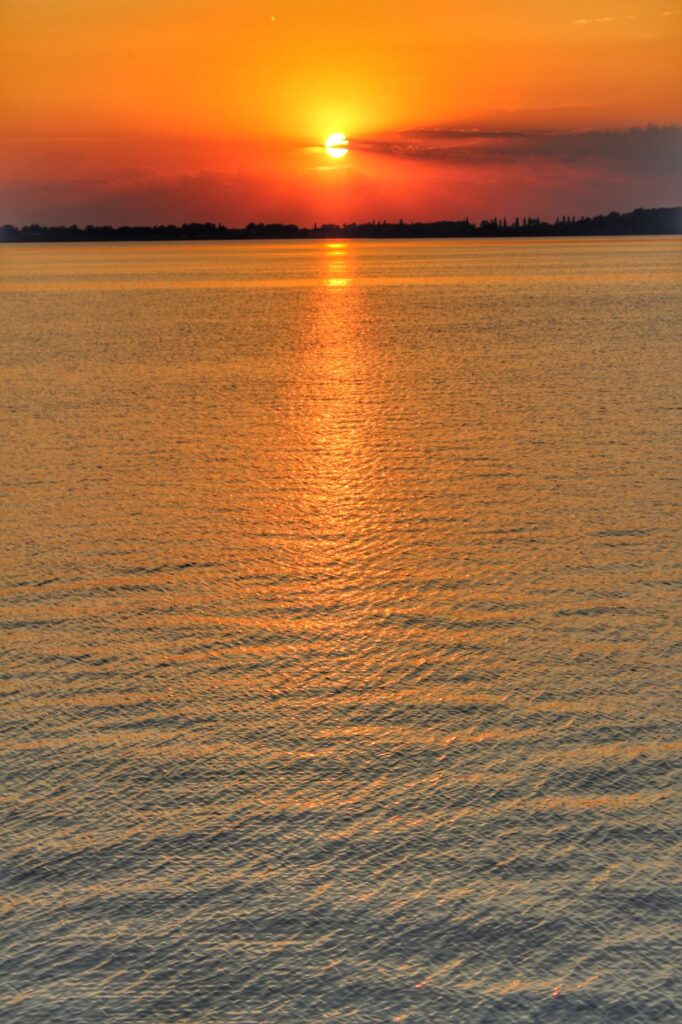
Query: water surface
<point x="339" y="606"/>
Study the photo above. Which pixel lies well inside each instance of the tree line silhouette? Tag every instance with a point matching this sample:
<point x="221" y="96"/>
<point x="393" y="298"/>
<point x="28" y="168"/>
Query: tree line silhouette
<point x="660" y="221"/>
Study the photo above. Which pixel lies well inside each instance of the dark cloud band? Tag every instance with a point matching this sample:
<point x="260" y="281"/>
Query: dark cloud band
<point x="637" y="148"/>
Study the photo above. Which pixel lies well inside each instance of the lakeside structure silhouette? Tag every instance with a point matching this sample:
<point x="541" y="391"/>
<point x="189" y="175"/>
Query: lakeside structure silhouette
<point x="659" y="221"/>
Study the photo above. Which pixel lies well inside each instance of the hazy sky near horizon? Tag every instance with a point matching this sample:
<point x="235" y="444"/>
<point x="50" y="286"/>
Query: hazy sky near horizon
<point x="170" y="110"/>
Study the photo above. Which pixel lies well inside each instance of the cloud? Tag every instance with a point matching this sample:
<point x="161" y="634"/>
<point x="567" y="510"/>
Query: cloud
<point x="637" y="149"/>
<point x="136" y="196"/>
<point x="425" y="173"/>
<point x="609" y="19"/>
<point x="602" y="21"/>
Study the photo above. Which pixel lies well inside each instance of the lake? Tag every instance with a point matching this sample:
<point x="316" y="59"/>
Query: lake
<point x="341" y="631"/>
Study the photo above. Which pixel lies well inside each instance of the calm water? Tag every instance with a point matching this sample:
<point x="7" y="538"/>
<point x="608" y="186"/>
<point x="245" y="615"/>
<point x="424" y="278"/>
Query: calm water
<point x="340" y="677"/>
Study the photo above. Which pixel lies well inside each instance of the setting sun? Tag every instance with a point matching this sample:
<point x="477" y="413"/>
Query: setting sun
<point x="337" y="145"/>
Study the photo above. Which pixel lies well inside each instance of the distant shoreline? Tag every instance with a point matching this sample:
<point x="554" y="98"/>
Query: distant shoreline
<point x="659" y="221"/>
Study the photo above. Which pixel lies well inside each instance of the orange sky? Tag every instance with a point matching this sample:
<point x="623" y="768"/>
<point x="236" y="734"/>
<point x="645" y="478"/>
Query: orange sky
<point x="148" y="110"/>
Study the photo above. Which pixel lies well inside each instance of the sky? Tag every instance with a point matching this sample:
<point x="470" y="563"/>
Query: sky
<point x="168" y="111"/>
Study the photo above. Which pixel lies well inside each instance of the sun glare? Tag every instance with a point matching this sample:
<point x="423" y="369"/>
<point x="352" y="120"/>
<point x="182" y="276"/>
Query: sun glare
<point x="337" y="145"/>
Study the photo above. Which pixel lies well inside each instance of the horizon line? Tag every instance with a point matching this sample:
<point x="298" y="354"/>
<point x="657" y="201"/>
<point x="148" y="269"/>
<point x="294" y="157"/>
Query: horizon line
<point x="651" y="220"/>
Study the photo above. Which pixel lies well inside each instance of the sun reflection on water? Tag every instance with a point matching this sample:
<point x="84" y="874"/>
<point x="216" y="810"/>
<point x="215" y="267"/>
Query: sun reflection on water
<point x="336" y="264"/>
<point x="334" y="400"/>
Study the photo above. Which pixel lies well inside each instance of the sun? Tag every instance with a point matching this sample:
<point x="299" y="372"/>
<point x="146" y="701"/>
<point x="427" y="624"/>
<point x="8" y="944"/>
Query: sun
<point x="337" y="145"/>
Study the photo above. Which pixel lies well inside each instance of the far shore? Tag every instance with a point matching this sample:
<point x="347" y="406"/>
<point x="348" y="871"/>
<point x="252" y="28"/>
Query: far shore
<point x="659" y="221"/>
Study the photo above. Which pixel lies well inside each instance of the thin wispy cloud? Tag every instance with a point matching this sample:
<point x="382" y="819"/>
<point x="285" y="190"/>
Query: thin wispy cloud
<point x="602" y="21"/>
<point x="613" y="18"/>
